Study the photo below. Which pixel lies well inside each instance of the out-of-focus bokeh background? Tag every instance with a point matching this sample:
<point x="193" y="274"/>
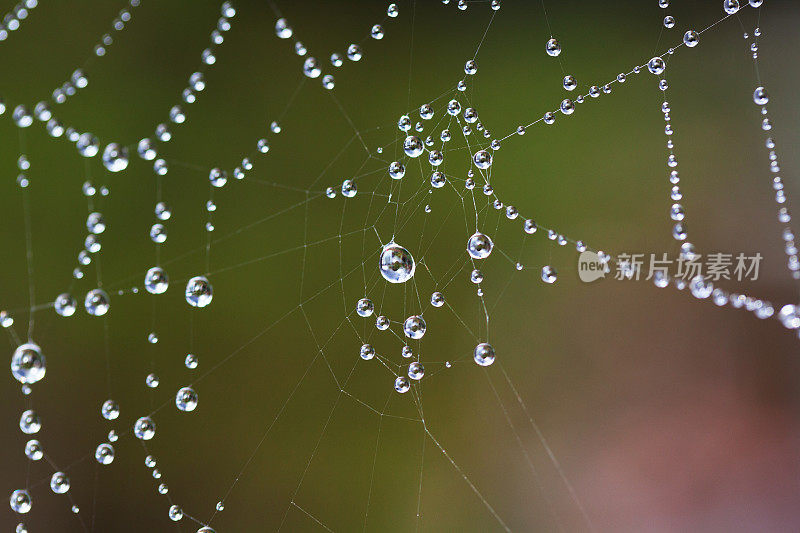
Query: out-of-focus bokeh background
<point x="666" y="413"/>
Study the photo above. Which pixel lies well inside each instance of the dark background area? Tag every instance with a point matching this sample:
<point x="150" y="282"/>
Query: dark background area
<point x="666" y="413"/>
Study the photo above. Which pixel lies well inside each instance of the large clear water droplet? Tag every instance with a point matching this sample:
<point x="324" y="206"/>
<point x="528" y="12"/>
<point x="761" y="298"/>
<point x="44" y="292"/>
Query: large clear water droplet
<point x="33" y="450"/>
<point x="396" y="263"/>
<point x="144" y="428"/>
<point x="59" y="483"/>
<point x="730" y="6"/>
<point x="365" y="307"/>
<point x="110" y="410"/>
<point x="104" y="454"/>
<point x="760" y="96"/>
<point x="30" y="422"/>
<point x="656" y="66"/>
<point x="789" y="316"/>
<point x="97" y="302"/>
<point x="88" y="145"/>
<point x="20" y="501"/>
<point x="282" y="29"/>
<point x="412" y="146"/>
<point x="28" y="364"/>
<point x="199" y="292"/>
<point x="482" y="159"/>
<point x="115" y="157"/>
<point x="484" y="354"/>
<point x="186" y="399"/>
<point x="414" y="327"/>
<point x="549" y="274"/>
<point x="479" y="246"/>
<point x="401" y="384"/>
<point x="156" y="281"/>
<point x="553" y="47"/>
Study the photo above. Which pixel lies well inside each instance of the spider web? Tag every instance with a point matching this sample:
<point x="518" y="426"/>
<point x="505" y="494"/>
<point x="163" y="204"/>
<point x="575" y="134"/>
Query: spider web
<point x="294" y="430"/>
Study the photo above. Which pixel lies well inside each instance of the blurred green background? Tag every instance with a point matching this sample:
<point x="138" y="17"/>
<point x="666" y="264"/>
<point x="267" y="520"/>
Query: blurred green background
<point x="665" y="412"/>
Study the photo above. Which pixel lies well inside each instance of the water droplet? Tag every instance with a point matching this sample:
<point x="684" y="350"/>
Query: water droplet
<point x="365" y="307"/>
<point x="549" y="274"/>
<point x="656" y="66"/>
<point x="553" y="47"/>
<point x="156" y="281"/>
<point x="426" y="112"/>
<point x="115" y="157"/>
<point x="401" y="384"/>
<point x="110" y="410"/>
<point x="199" y="292"/>
<point x="367" y="352"/>
<point x="789" y="315"/>
<point x="760" y="96"/>
<point x="28" y="364"/>
<point x="20" y="501"/>
<point x="414" y="327"/>
<point x="218" y="177"/>
<point x="476" y="276"/>
<point x="382" y="323"/>
<point x="88" y="145"/>
<point x="152" y="381"/>
<point x="679" y="231"/>
<point x="479" y="246"/>
<point x="282" y="29"/>
<point x="730" y="6"/>
<point x="349" y="188"/>
<point x="437" y="299"/>
<point x="190" y="361"/>
<point x="396" y="263"/>
<point x="397" y="170"/>
<point x="163" y="133"/>
<point x="22" y="116"/>
<point x="33" y="450"/>
<point x="482" y="159"/>
<point x="97" y="302"/>
<point x="354" y="52"/>
<point x="700" y="287"/>
<point x="311" y="68"/>
<point x="144" y="428"/>
<point x="163" y="212"/>
<point x="175" y="513"/>
<point x="186" y="399"/>
<point x="59" y="483"/>
<point x="484" y="354"/>
<point x="412" y="146"/>
<point x="104" y="454"/>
